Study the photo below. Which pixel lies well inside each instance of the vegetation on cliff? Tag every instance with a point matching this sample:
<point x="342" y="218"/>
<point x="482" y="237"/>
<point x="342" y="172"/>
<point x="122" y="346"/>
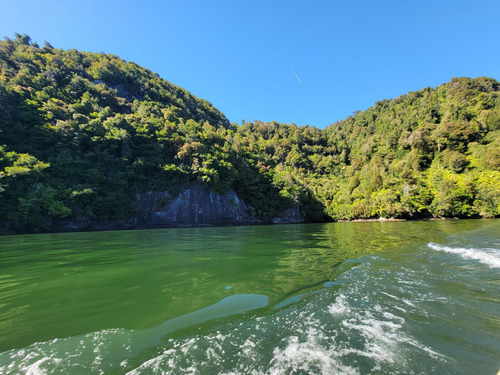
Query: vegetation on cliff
<point x="81" y="134"/>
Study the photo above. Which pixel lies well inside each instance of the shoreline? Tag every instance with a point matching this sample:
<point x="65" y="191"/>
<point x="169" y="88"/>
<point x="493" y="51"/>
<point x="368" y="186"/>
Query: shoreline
<point x="121" y="227"/>
<point x="391" y="219"/>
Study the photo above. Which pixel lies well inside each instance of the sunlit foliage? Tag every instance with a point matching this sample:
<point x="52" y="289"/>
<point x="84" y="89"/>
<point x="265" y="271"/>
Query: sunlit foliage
<point x="81" y="134"/>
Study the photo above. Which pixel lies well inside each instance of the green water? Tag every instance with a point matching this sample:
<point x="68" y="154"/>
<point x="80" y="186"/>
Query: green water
<point x="404" y="297"/>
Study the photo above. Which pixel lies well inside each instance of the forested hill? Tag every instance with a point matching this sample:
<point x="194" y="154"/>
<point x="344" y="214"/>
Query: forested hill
<point x="82" y="134"/>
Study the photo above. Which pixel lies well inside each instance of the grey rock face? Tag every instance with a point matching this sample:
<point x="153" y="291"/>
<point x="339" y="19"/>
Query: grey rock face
<point x="149" y="202"/>
<point x="197" y="205"/>
<point x="290" y="216"/>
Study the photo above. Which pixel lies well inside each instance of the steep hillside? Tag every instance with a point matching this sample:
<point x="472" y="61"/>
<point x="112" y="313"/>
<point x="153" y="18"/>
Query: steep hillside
<point x="83" y="135"/>
<point x="434" y="152"/>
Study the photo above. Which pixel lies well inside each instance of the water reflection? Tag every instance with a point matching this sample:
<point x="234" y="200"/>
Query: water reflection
<point x="59" y="285"/>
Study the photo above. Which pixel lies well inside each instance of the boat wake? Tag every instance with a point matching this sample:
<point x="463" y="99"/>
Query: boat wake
<point x="490" y="257"/>
<point x="352" y="330"/>
<point x="397" y="313"/>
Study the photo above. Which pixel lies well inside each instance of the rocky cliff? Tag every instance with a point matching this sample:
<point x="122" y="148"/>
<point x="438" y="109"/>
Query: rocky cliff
<point x="197" y="205"/>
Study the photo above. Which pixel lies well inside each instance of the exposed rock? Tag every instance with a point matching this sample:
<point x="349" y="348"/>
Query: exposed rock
<point x="150" y="202"/>
<point x="84" y="224"/>
<point x="199" y="205"/>
<point x="290" y="216"/>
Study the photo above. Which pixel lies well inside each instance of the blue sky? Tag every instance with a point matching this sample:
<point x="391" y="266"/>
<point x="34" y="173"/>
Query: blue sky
<point x="241" y="55"/>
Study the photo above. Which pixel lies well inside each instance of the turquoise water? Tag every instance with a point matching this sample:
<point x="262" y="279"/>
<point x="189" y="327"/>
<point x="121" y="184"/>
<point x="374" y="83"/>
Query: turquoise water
<point x="342" y="298"/>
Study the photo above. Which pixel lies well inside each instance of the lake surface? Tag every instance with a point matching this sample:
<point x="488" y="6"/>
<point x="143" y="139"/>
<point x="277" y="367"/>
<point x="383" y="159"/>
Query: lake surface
<point x="340" y="298"/>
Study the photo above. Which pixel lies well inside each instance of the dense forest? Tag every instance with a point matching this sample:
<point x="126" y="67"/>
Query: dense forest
<point x="81" y="134"/>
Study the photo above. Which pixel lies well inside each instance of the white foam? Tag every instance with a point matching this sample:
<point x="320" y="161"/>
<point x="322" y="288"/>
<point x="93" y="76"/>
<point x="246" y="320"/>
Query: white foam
<point x="388" y="315"/>
<point x="35" y="369"/>
<point x="339" y="307"/>
<point x="490" y="257"/>
<point x="390" y="295"/>
<point x="248" y="348"/>
<point x="307" y="356"/>
<point x="408" y="302"/>
<point x="153" y="364"/>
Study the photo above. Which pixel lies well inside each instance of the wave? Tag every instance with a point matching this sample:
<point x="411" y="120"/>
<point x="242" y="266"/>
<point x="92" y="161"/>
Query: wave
<point x="490" y="257"/>
<point x="379" y="320"/>
<point x="353" y="330"/>
<point x="100" y="352"/>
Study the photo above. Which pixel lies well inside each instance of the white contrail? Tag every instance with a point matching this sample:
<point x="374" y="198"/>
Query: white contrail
<point x="296" y="75"/>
